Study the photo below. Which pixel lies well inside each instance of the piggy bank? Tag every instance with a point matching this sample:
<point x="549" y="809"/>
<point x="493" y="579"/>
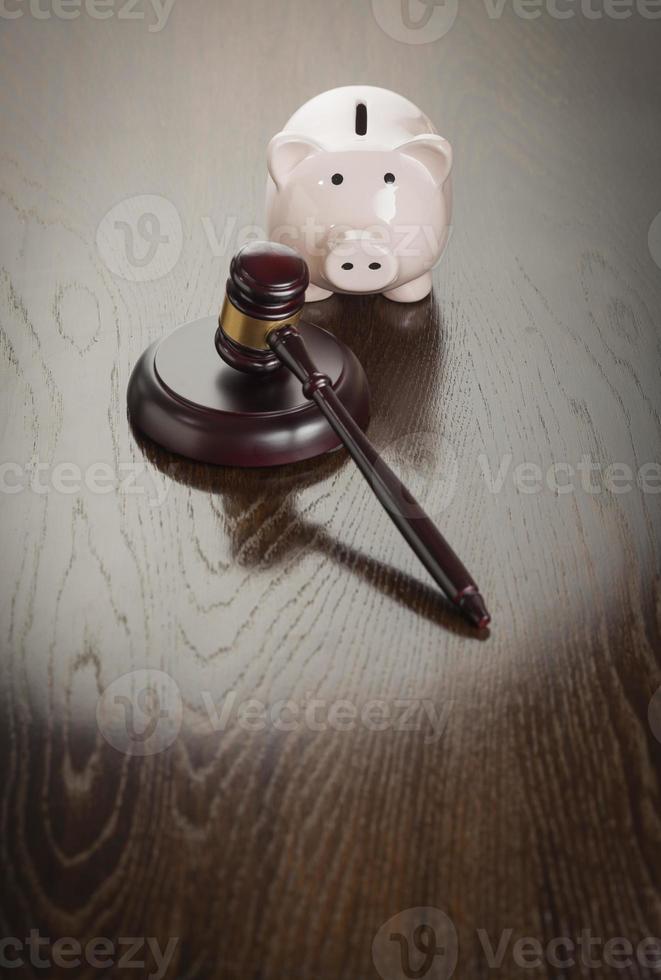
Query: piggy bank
<point x="359" y="183"/>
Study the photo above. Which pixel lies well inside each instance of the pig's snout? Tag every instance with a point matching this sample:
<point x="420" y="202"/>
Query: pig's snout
<point x="358" y="263"/>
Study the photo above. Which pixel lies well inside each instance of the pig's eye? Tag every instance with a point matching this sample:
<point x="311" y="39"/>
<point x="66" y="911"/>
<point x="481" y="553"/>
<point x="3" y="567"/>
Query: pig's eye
<point x="389" y="178"/>
<point x="337" y="178"/>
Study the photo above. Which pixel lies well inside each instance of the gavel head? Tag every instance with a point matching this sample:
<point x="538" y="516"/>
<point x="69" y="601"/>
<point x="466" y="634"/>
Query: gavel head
<point x="191" y="402"/>
<point x="265" y="290"/>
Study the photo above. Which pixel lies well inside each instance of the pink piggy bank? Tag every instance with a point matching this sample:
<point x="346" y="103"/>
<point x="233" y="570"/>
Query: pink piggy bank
<point x="359" y="183"/>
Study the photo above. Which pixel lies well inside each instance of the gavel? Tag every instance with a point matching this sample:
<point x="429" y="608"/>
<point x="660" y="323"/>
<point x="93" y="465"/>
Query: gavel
<point x="258" y="334"/>
<point x="282" y="390"/>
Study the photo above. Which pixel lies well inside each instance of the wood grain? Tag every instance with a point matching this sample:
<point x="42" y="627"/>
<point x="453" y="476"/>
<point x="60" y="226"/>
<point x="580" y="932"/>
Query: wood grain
<point x="273" y="854"/>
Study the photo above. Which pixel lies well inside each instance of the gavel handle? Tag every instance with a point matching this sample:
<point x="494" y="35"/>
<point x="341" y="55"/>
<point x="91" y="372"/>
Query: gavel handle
<point x="407" y="515"/>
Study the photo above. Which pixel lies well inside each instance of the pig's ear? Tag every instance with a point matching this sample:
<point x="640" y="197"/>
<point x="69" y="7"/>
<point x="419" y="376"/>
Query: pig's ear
<point x="286" y="151"/>
<point x="433" y="152"/>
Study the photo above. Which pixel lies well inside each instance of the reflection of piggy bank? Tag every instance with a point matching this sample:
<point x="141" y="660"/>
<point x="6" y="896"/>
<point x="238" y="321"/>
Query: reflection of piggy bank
<point x="359" y="184"/>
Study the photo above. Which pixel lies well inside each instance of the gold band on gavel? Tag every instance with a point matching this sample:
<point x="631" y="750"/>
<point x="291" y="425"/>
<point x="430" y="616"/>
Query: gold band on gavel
<point x="248" y="331"/>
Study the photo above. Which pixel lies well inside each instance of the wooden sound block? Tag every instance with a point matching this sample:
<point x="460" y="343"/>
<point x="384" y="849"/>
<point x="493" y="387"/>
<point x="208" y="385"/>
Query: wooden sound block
<point x="184" y="397"/>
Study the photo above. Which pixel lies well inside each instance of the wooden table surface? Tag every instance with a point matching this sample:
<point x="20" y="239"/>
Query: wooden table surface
<point x="519" y="796"/>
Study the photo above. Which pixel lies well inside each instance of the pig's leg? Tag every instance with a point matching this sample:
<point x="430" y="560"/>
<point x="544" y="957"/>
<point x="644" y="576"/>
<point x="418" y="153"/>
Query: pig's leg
<point x="412" y="291"/>
<point x="315" y="293"/>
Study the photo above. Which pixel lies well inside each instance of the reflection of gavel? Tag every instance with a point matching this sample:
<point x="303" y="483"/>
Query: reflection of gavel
<point x="280" y="394"/>
<point x="257" y="332"/>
